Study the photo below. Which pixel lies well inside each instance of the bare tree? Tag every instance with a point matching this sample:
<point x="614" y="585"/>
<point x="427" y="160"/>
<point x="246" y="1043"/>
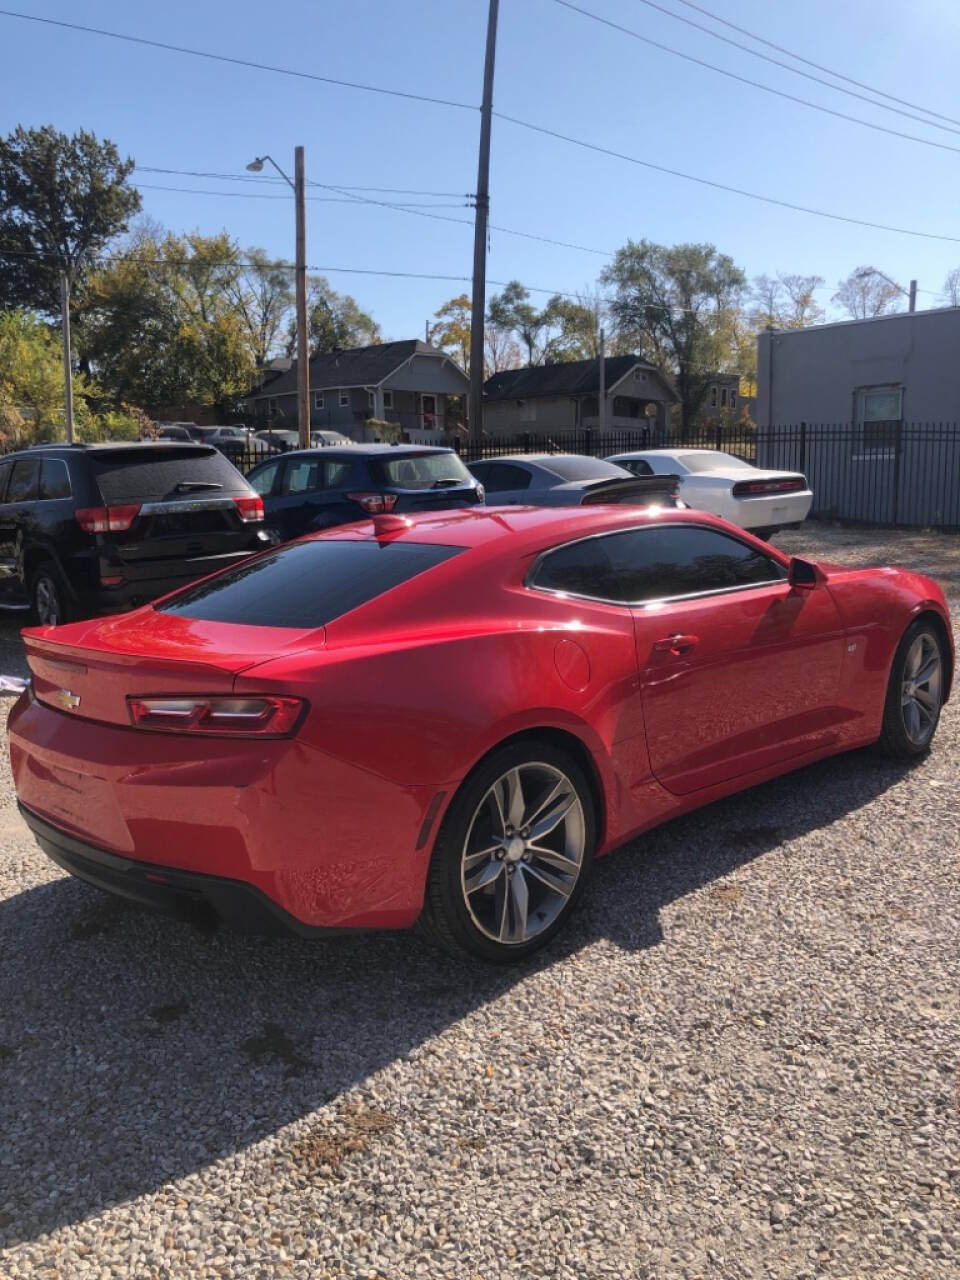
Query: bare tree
<point x="866" y="293"/>
<point x="500" y="350"/>
<point x="801" y="307"/>
<point x="951" y="288"/>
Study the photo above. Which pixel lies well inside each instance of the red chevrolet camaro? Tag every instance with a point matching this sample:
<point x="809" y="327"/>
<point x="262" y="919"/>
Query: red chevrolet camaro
<point x="446" y="717"/>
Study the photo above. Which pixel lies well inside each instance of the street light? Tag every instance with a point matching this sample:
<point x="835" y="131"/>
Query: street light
<point x="867" y="272"/>
<point x="303" y="358"/>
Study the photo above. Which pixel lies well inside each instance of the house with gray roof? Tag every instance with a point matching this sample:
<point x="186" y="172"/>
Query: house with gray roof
<point x="408" y="383"/>
<point x="566" y="397"/>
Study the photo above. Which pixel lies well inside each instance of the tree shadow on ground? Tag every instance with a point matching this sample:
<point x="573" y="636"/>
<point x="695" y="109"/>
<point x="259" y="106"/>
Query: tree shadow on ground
<point x="135" y="1051"/>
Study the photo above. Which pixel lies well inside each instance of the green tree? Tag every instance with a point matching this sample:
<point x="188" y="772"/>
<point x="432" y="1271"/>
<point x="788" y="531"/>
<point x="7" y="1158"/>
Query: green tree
<point x="161" y="325"/>
<point x="334" y="321"/>
<point x="572" y="328"/>
<point x="62" y="200"/>
<point x="674" y="305"/>
<point x="451" y="333"/>
<point x="31" y="388"/>
<point x="513" y="312"/>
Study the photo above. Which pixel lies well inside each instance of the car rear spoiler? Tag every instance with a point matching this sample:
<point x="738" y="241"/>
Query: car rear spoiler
<point x="641" y="490"/>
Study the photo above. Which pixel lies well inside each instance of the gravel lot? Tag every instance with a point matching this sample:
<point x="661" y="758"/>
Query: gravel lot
<point x="743" y="1060"/>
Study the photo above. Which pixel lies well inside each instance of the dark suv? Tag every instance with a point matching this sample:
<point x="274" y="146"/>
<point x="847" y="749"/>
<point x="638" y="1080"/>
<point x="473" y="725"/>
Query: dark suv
<point x="88" y="529"/>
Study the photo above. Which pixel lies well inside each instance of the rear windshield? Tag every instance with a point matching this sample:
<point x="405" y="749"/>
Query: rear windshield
<point x="710" y="460"/>
<point x="421" y="470"/>
<point x="145" y="474"/>
<point x="577" y="468"/>
<point x="307" y="584"/>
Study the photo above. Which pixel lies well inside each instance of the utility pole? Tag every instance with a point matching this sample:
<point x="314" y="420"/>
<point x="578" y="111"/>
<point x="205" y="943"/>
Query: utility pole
<point x="479" y="304"/>
<point x="602" y="398"/>
<point x="303" y="351"/>
<point x="67" y="357"/>
<point x="913" y="295"/>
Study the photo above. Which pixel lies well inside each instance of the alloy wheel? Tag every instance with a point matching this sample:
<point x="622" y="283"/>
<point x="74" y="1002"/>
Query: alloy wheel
<point x="920" y="689"/>
<point x="523" y="854"/>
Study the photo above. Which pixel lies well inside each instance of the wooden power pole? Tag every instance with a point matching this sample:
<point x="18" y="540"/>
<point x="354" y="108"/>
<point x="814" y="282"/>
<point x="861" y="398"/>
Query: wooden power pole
<point x="67" y="355"/>
<point x="479" y="303"/>
<point x="303" y="344"/>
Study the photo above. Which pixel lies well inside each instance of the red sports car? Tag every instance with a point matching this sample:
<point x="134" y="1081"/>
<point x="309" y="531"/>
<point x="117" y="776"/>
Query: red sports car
<point x="446" y="717"/>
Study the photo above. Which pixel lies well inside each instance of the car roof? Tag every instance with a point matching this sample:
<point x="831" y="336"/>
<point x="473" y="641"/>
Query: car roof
<point x="368" y="450"/>
<point x="529" y="528"/>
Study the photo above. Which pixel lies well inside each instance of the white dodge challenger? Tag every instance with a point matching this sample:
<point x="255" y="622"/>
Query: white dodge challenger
<point x="761" y="501"/>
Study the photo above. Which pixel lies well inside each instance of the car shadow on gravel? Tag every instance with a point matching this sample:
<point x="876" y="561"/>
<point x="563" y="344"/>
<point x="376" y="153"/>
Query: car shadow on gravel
<point x="135" y="1050"/>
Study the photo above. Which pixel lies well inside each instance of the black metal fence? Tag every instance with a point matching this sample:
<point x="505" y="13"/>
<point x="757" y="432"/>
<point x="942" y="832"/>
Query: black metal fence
<point x="908" y="474"/>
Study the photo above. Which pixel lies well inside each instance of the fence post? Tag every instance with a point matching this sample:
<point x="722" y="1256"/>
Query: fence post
<point x="718" y="437"/>
<point x="803" y="448"/>
<point x="588" y="441"/>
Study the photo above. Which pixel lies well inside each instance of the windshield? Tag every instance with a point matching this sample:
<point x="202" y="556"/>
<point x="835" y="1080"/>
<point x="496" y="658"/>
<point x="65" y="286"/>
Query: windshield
<point x="422" y="470"/>
<point x="575" y="467"/>
<point x="712" y="460"/>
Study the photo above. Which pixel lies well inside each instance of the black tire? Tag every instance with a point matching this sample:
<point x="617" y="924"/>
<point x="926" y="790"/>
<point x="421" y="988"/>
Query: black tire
<point x="49" y="595"/>
<point x="897" y="739"/>
<point x="447" y="920"/>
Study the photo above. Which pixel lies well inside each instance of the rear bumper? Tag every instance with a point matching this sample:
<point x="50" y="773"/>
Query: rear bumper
<point x="188" y="895"/>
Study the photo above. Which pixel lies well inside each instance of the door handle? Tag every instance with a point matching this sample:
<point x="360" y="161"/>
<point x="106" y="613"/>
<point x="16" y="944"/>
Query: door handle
<point x="676" y="645"/>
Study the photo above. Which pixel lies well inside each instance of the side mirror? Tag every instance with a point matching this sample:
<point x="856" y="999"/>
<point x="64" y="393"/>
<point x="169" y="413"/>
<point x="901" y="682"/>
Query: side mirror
<point x="802" y="575"/>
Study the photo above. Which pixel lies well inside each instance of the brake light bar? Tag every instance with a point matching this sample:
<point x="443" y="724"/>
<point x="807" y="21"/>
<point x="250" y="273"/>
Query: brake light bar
<point x="249" y="509"/>
<point x="107" y="519"/>
<point x="259" y="716"/>
<point x="374" y="504"/>
<point x="755" y="488"/>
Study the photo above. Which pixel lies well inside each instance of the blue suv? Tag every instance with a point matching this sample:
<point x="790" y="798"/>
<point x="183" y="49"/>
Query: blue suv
<point x="311" y="489"/>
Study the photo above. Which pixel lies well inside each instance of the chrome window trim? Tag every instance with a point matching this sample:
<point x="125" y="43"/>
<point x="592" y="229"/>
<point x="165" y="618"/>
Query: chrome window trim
<point x="187" y="504"/>
<point x="46" y="462"/>
<point x="530" y="585"/>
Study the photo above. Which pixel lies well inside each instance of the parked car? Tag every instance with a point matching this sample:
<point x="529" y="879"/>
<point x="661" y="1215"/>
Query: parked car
<point x="284" y="439"/>
<point x="710" y="480"/>
<point x="564" y="480"/>
<point x="449" y="715"/>
<point x="172" y="432"/>
<point x="87" y="529"/>
<point x="312" y="489"/>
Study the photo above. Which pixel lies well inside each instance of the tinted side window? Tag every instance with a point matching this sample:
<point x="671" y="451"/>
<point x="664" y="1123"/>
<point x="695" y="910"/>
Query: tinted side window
<point x="307" y="584"/>
<point x="582" y="568"/>
<point x="501" y="477"/>
<point x="54" y="479"/>
<point x="5" y="469"/>
<point x="303" y="476"/>
<point x="651" y="564"/>
<point x="25" y="481"/>
<point x="638" y="466"/>
<point x="654" y="564"/>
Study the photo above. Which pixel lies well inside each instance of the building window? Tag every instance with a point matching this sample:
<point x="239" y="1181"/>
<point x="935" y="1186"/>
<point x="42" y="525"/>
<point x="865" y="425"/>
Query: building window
<point x="344" y="399"/>
<point x="272" y="408"/>
<point x="723" y="397"/>
<point x="388" y="399"/>
<point x="880" y="413"/>
<point x="625" y="407"/>
<point x="733" y="399"/>
<point x="318" y="399"/>
<point x="528" y="410"/>
<point x="713" y="397"/>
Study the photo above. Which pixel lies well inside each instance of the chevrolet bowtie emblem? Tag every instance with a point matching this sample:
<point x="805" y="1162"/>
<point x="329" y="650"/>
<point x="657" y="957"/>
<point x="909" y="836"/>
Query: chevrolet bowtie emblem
<point x="66" y="700"/>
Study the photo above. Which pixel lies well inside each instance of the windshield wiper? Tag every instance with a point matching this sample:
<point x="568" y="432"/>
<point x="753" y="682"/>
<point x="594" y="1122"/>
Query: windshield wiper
<point x="445" y="484"/>
<point x="184" y="486"/>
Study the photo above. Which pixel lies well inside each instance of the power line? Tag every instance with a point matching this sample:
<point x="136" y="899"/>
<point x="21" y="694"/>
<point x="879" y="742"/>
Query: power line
<point x="269" y="178"/>
<point x="262" y="195"/>
<point x="862" y="97"/>
<point x="722" y="186"/>
<point x="237" y="62"/>
<point x="744" y="31"/>
<point x="754" y="84"/>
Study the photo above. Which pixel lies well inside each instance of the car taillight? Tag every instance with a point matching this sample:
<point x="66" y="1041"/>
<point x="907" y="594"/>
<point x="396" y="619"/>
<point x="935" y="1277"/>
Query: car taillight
<point x="249" y="509"/>
<point x="261" y="716"/>
<point x="374" y="504"/>
<point x="754" y="488"/>
<point x="106" y="519"/>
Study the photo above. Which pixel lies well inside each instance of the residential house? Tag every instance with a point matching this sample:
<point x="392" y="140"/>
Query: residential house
<point x="867" y="407"/>
<point x="723" y="401"/>
<point x="565" y="397"/>
<point x="409" y="383"/>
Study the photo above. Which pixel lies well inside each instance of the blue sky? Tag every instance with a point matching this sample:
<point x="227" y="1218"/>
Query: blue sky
<point x="555" y="68"/>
